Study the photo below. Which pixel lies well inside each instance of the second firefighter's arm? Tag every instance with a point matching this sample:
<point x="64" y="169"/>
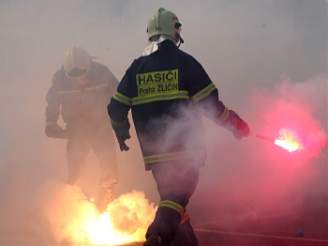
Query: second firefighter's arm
<point x="52" y="128"/>
<point x="118" y="109"/>
<point x="206" y="96"/>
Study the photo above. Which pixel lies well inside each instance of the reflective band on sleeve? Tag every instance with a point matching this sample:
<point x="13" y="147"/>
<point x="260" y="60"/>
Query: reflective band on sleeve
<point x="91" y="88"/>
<point x="65" y="92"/>
<point x="97" y="87"/>
<point x="173" y="205"/>
<point x="152" y="159"/>
<point x="122" y="99"/>
<point x="224" y="115"/>
<point x="203" y="93"/>
<point x="160" y="97"/>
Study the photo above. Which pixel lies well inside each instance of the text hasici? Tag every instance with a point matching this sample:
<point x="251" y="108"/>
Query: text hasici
<point x="157" y="83"/>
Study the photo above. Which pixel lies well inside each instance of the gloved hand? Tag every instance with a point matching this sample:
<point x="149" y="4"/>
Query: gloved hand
<point x="121" y="130"/>
<point x="53" y="130"/>
<point x="122" y="134"/>
<point x="239" y="127"/>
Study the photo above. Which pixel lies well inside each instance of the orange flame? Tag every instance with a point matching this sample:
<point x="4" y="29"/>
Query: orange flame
<point x="76" y="220"/>
<point x="288" y="140"/>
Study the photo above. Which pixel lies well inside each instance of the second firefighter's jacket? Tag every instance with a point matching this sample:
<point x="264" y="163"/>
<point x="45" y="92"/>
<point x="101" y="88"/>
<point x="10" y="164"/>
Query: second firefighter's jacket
<point x="166" y="91"/>
<point x="81" y="107"/>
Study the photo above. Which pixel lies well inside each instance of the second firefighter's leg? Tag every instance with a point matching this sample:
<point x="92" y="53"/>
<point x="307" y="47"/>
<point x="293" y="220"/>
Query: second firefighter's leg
<point x="77" y="150"/>
<point x="104" y="147"/>
<point x="176" y="182"/>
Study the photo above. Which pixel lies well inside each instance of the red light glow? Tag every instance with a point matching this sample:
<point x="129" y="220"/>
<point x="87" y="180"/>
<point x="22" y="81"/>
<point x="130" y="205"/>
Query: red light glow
<point x="288" y="140"/>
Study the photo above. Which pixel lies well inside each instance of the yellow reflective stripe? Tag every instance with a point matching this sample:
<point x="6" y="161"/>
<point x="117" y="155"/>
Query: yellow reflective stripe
<point x="122" y="98"/>
<point x="91" y="88"/>
<point x="69" y="91"/>
<point x="203" y="93"/>
<point x="100" y="86"/>
<point x="160" y="97"/>
<point x="224" y="115"/>
<point x="165" y="157"/>
<point x="173" y="205"/>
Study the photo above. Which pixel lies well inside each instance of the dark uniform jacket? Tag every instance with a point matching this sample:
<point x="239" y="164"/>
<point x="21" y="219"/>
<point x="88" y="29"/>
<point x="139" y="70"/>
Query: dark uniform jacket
<point x="81" y="106"/>
<point x="165" y="91"/>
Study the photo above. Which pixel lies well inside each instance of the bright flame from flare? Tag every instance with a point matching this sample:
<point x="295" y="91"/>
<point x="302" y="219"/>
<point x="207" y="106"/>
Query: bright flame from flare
<point x="76" y="220"/>
<point x="288" y="140"/>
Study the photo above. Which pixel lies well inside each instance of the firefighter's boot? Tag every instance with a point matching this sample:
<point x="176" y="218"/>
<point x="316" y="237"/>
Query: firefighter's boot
<point x="153" y="240"/>
<point x="162" y="230"/>
<point x="185" y="235"/>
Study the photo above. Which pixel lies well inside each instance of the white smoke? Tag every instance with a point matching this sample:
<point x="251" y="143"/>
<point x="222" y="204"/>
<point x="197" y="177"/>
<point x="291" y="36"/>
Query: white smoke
<point x="242" y="45"/>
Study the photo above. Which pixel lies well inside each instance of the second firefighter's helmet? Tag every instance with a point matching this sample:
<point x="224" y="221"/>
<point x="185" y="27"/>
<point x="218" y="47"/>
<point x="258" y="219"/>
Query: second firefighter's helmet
<point x="164" y="22"/>
<point x="77" y="62"/>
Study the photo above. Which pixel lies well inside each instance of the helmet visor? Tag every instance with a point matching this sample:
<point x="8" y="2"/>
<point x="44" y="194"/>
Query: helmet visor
<point x="177" y="25"/>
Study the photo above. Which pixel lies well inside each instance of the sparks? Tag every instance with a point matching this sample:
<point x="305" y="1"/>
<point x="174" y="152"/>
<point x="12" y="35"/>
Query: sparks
<point x="288" y="140"/>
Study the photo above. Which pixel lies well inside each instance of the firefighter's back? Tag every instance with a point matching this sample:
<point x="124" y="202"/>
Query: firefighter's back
<point x="162" y="110"/>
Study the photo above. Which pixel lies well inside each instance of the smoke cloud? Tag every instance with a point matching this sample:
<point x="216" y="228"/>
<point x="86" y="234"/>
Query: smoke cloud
<point x="253" y="182"/>
<point x="267" y="58"/>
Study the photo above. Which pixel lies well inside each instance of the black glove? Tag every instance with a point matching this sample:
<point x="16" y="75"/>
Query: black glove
<point x="238" y="126"/>
<point x="55" y="131"/>
<point x="122" y="133"/>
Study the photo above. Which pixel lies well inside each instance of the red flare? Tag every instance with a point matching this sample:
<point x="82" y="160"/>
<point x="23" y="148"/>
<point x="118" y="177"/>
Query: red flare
<point x="288" y="140"/>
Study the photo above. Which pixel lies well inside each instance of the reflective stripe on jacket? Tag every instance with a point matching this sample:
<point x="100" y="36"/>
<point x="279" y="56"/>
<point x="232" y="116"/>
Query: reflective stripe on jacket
<point x="165" y="91"/>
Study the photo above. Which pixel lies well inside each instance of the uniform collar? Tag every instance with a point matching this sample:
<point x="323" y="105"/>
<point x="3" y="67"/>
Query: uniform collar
<point x="163" y="41"/>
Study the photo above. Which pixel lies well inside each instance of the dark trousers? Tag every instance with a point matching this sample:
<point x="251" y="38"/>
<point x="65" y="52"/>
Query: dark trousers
<point x="81" y="141"/>
<point x="176" y="181"/>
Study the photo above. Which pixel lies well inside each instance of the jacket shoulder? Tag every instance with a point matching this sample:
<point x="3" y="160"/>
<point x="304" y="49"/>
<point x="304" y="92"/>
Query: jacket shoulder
<point x="59" y="78"/>
<point x="102" y="73"/>
<point x="139" y="60"/>
<point x="99" y="68"/>
<point x="187" y="57"/>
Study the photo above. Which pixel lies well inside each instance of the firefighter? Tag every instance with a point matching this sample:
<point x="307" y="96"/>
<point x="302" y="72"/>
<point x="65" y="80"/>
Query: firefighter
<point x="79" y="94"/>
<point x="167" y="91"/>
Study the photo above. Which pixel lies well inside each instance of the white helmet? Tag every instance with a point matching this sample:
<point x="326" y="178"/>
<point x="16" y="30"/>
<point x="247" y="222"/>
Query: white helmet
<point x="77" y="62"/>
<point x="164" y="22"/>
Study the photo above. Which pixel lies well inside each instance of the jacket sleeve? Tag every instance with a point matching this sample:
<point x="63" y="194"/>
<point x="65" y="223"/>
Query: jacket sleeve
<point x="121" y="102"/>
<point x="53" y="103"/>
<point x="205" y="95"/>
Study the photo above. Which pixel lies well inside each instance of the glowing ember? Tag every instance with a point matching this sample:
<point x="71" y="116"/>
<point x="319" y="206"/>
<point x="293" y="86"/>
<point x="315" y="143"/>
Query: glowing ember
<point x="288" y="140"/>
<point x="76" y="220"/>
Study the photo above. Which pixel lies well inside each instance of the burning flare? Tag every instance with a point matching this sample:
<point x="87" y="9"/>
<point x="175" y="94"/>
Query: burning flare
<point x="76" y="220"/>
<point x="288" y="140"/>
